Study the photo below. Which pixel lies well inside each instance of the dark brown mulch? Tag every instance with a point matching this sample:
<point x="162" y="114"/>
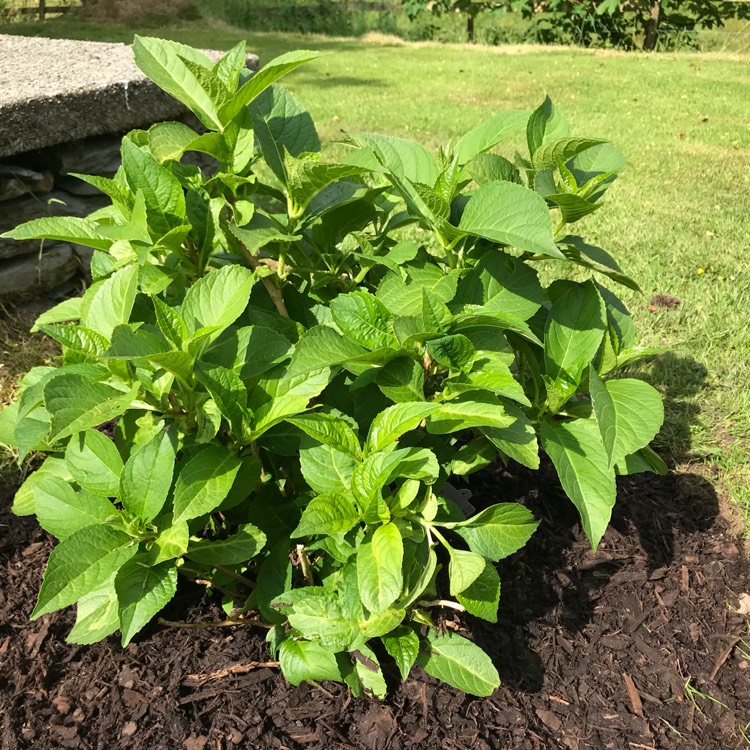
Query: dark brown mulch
<point x="594" y="650"/>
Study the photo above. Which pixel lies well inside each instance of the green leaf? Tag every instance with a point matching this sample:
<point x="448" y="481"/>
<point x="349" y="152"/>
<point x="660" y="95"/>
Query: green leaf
<point x="162" y="62"/>
<point x="326" y="515"/>
<point x="643" y="460"/>
<point x="488" y="134"/>
<point x="468" y="410"/>
<point x="238" y="548"/>
<point x="325" y="469"/>
<point x="402" y="379"/>
<point x="629" y="413"/>
<point x="500" y="282"/>
<point x="68" y="309"/>
<point x="282" y="124"/>
<point x="576" y="449"/>
<point x="560" y="150"/>
<point x="79" y="344"/>
<point x="376" y="626"/>
<point x="329" y="430"/>
<point x="81" y="564"/>
<point x="31" y="432"/>
<point x="265" y="77"/>
<point x="379" y="568"/>
<point x="482" y="597"/>
<point x="168" y="140"/>
<point x="142" y="591"/>
<point x="62" y="511"/>
<point x="24" y="502"/>
<point x="204" y="482"/>
<point x="403" y="645"/>
<point x="380" y="469"/>
<point x="459" y="662"/>
<point x="318" y="614"/>
<point x="321" y="347"/>
<point x="218" y="299"/>
<point x="307" y="177"/>
<point x="574" y="333"/>
<point x="8" y="420"/>
<point x="112" y="301"/>
<point x="249" y="351"/>
<point x="171" y="543"/>
<point x="307" y="660"/>
<point x="545" y="124"/>
<point x="256" y="235"/>
<point x="365" y="319"/>
<point x="436" y="316"/>
<point x="96" y="615"/>
<point x="76" y="404"/>
<point x="147" y="476"/>
<point x="486" y="168"/>
<point x="389" y="425"/>
<point x="464" y="568"/>
<point x="368" y="670"/>
<point x="62" y="228"/>
<point x="498" y="531"/>
<point x="407" y="298"/>
<point x="140" y="343"/>
<point x="274" y="578"/>
<point x="511" y="215"/>
<point x="280" y="395"/>
<point x="518" y="441"/>
<point x="593" y="257"/>
<point x="454" y="352"/>
<point x="405" y="159"/>
<point x="473" y="456"/>
<point x="572" y="207"/>
<point x="165" y="199"/>
<point x="227" y="390"/>
<point x="94" y="462"/>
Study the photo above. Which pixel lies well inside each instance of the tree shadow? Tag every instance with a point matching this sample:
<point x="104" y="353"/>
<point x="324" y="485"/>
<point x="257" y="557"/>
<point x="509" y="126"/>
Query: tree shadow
<point x="331" y="81"/>
<point x="680" y="380"/>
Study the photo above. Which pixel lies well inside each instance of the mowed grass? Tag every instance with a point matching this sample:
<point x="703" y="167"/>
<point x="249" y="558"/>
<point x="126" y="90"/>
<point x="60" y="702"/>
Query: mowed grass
<point x="678" y="220"/>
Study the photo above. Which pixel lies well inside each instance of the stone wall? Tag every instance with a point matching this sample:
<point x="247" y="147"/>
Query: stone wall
<point x="64" y="107"/>
<point x="39" y="184"/>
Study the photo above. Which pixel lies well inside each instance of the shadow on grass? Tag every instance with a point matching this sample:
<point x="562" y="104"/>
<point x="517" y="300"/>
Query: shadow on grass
<point x="680" y="380"/>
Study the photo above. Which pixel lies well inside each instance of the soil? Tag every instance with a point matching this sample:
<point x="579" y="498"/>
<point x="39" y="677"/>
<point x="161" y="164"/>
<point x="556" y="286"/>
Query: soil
<point x="595" y="650"/>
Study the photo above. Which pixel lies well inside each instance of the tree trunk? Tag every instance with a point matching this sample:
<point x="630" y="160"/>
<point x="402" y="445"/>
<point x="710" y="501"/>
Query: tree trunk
<point x="470" y="27"/>
<point x="652" y="26"/>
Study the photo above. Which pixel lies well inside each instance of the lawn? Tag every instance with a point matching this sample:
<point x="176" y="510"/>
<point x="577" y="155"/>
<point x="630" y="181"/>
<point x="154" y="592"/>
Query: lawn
<point x="678" y="219"/>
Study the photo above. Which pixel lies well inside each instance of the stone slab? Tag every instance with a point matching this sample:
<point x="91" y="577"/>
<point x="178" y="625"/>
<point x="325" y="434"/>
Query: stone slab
<point x="60" y="90"/>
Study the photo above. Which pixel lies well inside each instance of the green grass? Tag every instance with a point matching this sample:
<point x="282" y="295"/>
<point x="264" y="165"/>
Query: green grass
<point x="682" y="205"/>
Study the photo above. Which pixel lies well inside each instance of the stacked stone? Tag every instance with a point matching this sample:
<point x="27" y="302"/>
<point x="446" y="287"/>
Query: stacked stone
<point x="40" y="183"/>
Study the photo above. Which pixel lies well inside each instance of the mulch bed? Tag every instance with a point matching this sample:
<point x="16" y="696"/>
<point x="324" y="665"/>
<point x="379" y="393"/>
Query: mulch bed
<point x="594" y="650"/>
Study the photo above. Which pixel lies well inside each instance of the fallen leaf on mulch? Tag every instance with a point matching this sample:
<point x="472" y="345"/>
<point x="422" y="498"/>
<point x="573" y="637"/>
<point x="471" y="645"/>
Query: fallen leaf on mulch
<point x="744" y="608"/>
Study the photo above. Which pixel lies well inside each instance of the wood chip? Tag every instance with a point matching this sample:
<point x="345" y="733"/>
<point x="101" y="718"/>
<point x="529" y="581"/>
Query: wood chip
<point x="559" y="700"/>
<point x="635" y="698"/>
<point x="723" y="656"/>
<point x="684" y="579"/>
<point x="195" y="680"/>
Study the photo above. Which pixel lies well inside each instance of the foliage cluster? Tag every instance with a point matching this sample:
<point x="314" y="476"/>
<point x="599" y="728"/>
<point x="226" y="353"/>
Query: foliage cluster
<point x="292" y="382"/>
<point x="650" y="24"/>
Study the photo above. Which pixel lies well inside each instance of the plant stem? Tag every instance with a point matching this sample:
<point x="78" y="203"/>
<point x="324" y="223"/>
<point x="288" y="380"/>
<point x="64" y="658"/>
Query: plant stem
<point x="304" y="562"/>
<point x="442" y="603"/>
<point x="246" y="582"/>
